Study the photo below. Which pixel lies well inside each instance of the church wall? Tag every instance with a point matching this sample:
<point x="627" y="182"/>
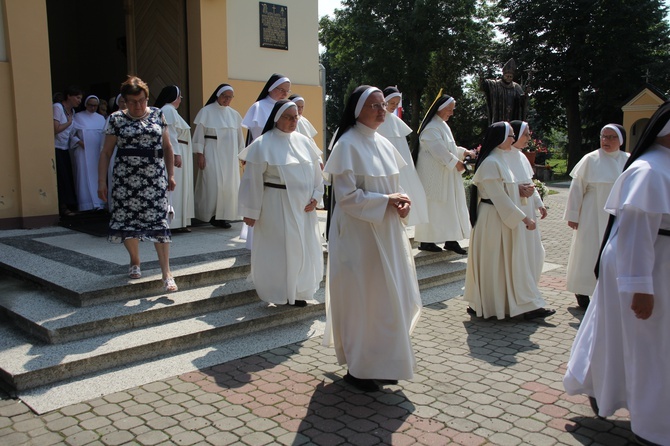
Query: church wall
<point x="27" y="174"/>
<point x="223" y="46"/>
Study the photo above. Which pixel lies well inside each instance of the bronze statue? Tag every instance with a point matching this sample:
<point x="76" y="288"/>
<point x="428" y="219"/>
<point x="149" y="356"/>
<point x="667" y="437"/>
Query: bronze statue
<point x="505" y="99"/>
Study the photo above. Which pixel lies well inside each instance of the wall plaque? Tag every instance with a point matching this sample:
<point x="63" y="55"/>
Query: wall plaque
<point x="273" y="26"/>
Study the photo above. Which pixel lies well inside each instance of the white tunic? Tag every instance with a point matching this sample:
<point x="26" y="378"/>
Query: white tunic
<point x="499" y="280"/>
<point x="523" y="174"/>
<point x="217" y="185"/>
<point x="306" y="128"/>
<point x="372" y="294"/>
<point x="182" y="196"/>
<point x="88" y="128"/>
<point x="257" y="116"/>
<point x="395" y="130"/>
<point x="617" y="358"/>
<point x="436" y="166"/>
<point x="286" y="254"/>
<point x="592" y="180"/>
<point x="255" y="120"/>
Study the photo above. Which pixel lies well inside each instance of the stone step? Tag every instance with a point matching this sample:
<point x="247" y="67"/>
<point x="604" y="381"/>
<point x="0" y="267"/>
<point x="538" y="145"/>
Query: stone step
<point x="26" y="365"/>
<point x="82" y="288"/>
<point x="116" y="333"/>
<point x="43" y="315"/>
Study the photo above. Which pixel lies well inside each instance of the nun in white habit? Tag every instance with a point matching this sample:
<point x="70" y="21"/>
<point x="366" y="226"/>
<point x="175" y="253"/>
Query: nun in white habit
<point x="530" y="201"/>
<point x="499" y="282"/>
<point x="440" y="167"/>
<point x="395" y="130"/>
<point x="181" y="197"/>
<point x="372" y="293"/>
<point x="592" y="180"/>
<point x="89" y="126"/>
<point x="280" y="188"/>
<point x="277" y="88"/>
<point x="621" y="355"/>
<point x="304" y="126"/>
<point x="217" y="141"/>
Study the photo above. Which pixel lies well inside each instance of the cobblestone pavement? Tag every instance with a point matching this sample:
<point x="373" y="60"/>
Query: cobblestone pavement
<point x="478" y="382"/>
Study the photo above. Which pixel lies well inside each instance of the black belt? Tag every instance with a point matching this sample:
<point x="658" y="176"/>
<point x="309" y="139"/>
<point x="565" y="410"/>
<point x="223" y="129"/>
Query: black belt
<point x="486" y="200"/>
<point x="665" y="232"/>
<point x="140" y="152"/>
<point x="276" y="186"/>
<point x="210" y="136"/>
<point x="181" y="141"/>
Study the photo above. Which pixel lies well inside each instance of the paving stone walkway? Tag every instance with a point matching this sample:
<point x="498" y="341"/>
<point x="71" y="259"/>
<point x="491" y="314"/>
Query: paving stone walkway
<point x="478" y="383"/>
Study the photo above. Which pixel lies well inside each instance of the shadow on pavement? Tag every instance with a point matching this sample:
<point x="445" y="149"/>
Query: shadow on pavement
<point x="357" y="417"/>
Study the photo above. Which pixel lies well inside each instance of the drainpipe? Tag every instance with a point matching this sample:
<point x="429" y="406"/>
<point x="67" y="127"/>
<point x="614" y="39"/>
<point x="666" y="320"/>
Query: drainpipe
<point x="322" y="81"/>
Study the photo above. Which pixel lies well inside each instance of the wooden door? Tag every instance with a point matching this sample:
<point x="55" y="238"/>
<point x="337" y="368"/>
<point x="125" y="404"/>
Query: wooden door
<point x="157" y="50"/>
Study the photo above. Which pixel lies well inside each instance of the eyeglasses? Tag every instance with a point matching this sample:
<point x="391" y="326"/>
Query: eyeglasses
<point x="225" y="96"/>
<point x="511" y="135"/>
<point x="91" y="105"/>
<point x="379" y="106"/>
<point x="609" y="137"/>
<point x="135" y="103"/>
<point x="283" y="91"/>
<point x="290" y="117"/>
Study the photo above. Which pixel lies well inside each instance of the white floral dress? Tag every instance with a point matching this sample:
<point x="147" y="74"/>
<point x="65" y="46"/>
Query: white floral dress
<point x="139" y="183"/>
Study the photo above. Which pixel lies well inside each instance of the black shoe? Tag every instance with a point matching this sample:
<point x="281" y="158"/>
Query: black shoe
<point x="387" y="381"/>
<point x="220" y="223"/>
<point x="539" y="313"/>
<point x="366" y="385"/>
<point x="583" y="300"/>
<point x="429" y="247"/>
<point x="471" y="311"/>
<point x="455" y="247"/>
<point x="300" y="303"/>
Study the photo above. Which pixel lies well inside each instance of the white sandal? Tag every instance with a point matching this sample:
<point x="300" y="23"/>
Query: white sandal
<point x="134" y="272"/>
<point x="170" y="285"/>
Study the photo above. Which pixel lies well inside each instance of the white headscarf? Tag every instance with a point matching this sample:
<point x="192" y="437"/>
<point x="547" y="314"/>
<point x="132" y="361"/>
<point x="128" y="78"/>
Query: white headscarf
<point x="362" y="99"/>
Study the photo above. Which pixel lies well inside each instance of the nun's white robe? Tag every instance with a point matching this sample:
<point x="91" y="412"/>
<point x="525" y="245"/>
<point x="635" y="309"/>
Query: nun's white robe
<point x="499" y="280"/>
<point x="372" y="294"/>
<point x="395" y="130"/>
<point x="523" y="174"/>
<point x="443" y="184"/>
<point x="286" y="254"/>
<point x="89" y="129"/>
<point x="254" y="121"/>
<point x="217" y="185"/>
<point x="617" y="358"/>
<point x="257" y="115"/>
<point x="182" y="196"/>
<point x="592" y="180"/>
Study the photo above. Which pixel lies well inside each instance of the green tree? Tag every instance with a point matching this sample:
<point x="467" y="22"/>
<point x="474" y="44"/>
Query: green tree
<point x="587" y="57"/>
<point x="419" y="45"/>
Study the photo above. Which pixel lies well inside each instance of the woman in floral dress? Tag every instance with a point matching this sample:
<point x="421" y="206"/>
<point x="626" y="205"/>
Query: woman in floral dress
<point x="143" y="173"/>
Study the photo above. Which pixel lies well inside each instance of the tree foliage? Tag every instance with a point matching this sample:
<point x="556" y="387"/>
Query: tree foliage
<point x="587" y="57"/>
<point x="418" y="45"/>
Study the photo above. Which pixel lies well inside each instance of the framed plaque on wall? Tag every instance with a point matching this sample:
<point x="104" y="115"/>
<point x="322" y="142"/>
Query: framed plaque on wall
<point x="273" y="26"/>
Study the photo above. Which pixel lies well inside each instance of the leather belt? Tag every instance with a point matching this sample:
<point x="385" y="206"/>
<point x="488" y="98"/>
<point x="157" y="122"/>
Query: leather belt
<point x="140" y="152"/>
<point x="486" y="200"/>
<point x="276" y="186"/>
<point x="181" y="141"/>
<point x="210" y="136"/>
<point x="665" y="232"/>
